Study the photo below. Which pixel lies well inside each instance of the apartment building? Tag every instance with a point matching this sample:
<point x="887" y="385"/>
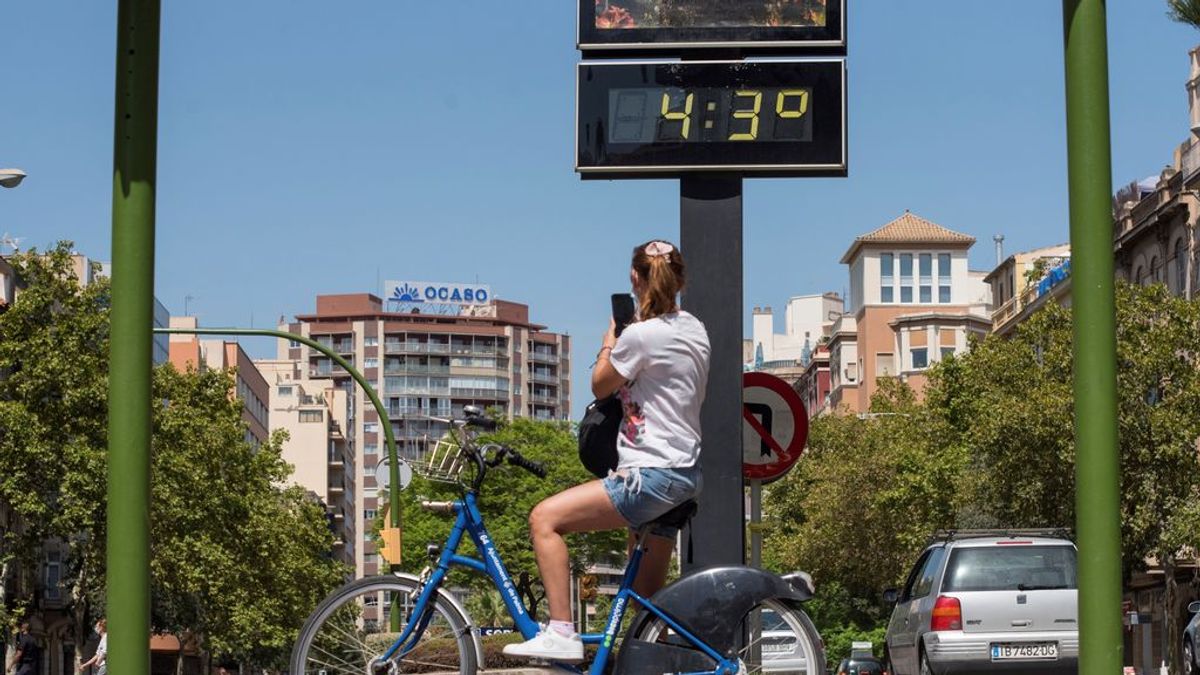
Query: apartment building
<point x="1024" y="282"/>
<point x="913" y="301"/>
<point x="317" y="417"/>
<point x="429" y="349"/>
<point x="189" y="352"/>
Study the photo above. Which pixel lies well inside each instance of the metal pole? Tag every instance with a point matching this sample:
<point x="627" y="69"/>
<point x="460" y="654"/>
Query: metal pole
<point x="389" y="437"/>
<point x="131" y="351"/>
<point x="710" y="225"/>
<point x="1097" y="495"/>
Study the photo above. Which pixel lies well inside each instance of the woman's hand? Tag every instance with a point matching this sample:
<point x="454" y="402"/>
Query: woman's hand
<point x="610" y="337"/>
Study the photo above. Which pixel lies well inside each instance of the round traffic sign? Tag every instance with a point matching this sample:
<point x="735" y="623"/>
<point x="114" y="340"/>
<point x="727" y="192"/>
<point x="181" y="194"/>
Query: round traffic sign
<point x="774" y="429"/>
<point x="383" y="474"/>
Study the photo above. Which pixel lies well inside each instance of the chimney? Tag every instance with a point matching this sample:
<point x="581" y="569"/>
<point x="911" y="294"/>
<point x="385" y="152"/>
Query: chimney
<point x="1193" y="90"/>
<point x="999" y="239"/>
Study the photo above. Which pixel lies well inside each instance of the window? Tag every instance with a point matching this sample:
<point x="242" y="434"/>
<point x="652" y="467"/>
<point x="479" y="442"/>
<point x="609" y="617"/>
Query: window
<point x="307" y="416"/>
<point x="371" y="362"/>
<point x="1155" y="269"/>
<point x="285" y="391"/>
<point x="906" y="277"/>
<point x="887" y="280"/>
<point x="947" y="351"/>
<point x="1010" y="568"/>
<point x="885" y="365"/>
<point x="943" y="261"/>
<point x="371" y="427"/>
<point x="53" y="577"/>
<point x="906" y="294"/>
<point x="920" y="358"/>
<point x="1180" y="265"/>
<point x="292" y="344"/>
<point x="369" y="515"/>
<point x="370" y="341"/>
<point x="925" y="269"/>
<point x="925" y="582"/>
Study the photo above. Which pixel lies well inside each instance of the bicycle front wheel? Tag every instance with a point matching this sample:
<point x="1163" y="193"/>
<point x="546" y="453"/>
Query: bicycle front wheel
<point x="777" y="638"/>
<point x="353" y="628"/>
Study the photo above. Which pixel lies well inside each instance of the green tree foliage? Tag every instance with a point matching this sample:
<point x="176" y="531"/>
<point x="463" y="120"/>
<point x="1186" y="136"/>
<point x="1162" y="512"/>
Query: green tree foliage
<point x="237" y="560"/>
<point x="1184" y="11"/>
<point x="53" y="426"/>
<point x="992" y="445"/>
<point x="508" y="496"/>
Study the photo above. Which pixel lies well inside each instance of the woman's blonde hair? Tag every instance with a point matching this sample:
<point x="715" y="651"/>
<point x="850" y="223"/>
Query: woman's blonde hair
<point x="659" y="266"/>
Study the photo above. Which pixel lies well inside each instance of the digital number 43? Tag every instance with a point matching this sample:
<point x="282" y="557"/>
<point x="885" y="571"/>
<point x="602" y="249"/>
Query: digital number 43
<point x="789" y="104"/>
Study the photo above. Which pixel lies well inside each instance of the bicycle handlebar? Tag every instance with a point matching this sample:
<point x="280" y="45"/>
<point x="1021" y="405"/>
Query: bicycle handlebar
<point x="531" y="466"/>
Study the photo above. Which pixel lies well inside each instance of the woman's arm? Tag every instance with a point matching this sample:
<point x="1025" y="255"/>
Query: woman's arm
<point x="605" y="378"/>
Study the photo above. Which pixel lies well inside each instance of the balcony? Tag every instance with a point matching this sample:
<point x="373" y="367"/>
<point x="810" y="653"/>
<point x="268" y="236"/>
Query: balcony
<point x="543" y="399"/>
<point x="543" y="357"/>
<point x="409" y="369"/>
<point x="544" y="378"/>
<point x="406" y="410"/>
<point x="495" y="394"/>
<point x="416" y="348"/>
<point x="477" y="350"/>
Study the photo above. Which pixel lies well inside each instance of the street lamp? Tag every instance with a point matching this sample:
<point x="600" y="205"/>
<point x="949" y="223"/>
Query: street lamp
<point x="11" y="178"/>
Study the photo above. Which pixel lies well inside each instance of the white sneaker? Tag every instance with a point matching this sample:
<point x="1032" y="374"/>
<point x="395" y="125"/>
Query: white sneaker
<point x="549" y="645"/>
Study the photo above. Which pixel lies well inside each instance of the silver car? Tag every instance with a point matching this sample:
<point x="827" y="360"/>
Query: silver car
<point x="987" y="602"/>
<point x="1191" y="640"/>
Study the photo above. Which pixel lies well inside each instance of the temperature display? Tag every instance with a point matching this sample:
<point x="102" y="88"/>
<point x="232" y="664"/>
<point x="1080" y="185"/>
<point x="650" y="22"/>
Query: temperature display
<point x="775" y="118"/>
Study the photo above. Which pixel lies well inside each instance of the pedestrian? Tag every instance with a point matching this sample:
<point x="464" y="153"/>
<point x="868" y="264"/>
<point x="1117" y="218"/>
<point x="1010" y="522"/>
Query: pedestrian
<point x="658" y="368"/>
<point x="100" y="658"/>
<point x="25" y="658"/>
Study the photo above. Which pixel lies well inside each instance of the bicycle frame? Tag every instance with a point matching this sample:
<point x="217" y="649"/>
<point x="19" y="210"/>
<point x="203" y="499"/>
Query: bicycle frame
<point x="469" y="521"/>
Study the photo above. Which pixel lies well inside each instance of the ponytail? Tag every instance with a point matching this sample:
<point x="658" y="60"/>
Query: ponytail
<point x="659" y="266"/>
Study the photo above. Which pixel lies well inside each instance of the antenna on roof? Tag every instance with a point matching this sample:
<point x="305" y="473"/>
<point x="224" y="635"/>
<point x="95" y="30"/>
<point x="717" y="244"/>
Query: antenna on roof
<point x="12" y="242"/>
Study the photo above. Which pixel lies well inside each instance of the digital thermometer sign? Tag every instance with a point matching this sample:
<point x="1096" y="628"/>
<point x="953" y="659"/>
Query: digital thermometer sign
<point x="767" y="118"/>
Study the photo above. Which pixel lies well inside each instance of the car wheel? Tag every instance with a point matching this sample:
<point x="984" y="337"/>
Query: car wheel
<point x="1189" y="658"/>
<point x="925" y="669"/>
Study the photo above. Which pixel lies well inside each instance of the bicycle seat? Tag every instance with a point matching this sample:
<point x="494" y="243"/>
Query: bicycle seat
<point x="678" y="516"/>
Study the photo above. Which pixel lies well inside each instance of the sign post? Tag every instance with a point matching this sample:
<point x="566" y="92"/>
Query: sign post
<point x="774" y="433"/>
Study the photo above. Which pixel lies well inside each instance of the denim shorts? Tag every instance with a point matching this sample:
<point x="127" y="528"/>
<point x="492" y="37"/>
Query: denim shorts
<point x="645" y="493"/>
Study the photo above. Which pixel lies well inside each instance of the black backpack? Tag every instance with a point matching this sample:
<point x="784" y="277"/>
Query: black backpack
<point x="598" y="435"/>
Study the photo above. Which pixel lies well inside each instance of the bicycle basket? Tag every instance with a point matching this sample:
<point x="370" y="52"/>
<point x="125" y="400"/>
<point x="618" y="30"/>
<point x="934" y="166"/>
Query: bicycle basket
<point x="443" y="462"/>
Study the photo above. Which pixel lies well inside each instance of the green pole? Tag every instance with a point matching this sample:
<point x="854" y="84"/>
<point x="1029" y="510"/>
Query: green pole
<point x="131" y="351"/>
<point x="389" y="437"/>
<point x="1097" y="494"/>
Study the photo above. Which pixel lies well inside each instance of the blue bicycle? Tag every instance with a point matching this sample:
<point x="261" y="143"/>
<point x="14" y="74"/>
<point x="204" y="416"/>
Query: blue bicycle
<point x="720" y="621"/>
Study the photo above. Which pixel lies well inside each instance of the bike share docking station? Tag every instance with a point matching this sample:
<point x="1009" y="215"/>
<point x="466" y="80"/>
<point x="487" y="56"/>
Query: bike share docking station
<point x="716" y="115"/>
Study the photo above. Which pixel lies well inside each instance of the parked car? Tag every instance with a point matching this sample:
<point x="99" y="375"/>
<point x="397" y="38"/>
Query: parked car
<point x="1191" y="640"/>
<point x="860" y="665"/>
<point x="987" y="601"/>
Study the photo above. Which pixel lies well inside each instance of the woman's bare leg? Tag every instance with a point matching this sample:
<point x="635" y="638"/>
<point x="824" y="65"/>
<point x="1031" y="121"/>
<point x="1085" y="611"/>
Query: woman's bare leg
<point x="583" y="508"/>
<point x="652" y="573"/>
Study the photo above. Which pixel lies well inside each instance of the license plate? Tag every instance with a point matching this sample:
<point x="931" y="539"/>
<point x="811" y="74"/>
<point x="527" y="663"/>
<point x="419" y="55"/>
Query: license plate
<point x="1020" y="651"/>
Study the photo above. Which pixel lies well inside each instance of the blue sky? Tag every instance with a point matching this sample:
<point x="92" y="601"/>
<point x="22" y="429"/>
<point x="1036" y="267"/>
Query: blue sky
<point x="314" y="147"/>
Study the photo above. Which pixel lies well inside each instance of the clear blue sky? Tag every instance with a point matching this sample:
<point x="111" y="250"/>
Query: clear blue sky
<point x="313" y="147"/>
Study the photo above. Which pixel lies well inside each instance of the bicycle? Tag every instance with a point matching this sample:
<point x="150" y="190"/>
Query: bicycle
<point x="708" y="622"/>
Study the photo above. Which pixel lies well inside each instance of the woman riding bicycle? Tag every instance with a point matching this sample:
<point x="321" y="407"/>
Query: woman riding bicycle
<point x="658" y="368"/>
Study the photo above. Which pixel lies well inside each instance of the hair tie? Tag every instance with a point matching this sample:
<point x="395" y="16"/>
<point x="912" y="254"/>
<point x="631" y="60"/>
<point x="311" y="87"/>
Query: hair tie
<point x="658" y="249"/>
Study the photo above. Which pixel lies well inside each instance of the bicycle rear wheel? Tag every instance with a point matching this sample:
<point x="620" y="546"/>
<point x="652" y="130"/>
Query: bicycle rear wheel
<point x="350" y="631"/>
<point x="785" y="643"/>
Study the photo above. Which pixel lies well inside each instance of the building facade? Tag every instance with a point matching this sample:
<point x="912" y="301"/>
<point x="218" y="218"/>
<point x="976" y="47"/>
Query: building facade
<point x="188" y="352"/>
<point x="913" y="301"/>
<point x="427" y="357"/>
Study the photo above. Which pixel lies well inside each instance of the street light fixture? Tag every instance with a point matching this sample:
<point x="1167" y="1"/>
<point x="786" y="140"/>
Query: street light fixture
<point x="11" y="178"/>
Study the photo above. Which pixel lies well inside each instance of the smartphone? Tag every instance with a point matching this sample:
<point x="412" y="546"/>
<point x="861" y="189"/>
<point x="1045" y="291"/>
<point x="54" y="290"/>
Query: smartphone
<point x="622" y="310"/>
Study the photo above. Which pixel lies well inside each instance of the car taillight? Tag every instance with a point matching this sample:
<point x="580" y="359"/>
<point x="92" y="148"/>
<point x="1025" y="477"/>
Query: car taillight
<point x="947" y="614"/>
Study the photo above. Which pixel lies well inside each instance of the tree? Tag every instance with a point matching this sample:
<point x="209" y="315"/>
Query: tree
<point x="508" y="496"/>
<point x="53" y="427"/>
<point x="238" y="561"/>
<point x="860" y="504"/>
<point x="1184" y="11"/>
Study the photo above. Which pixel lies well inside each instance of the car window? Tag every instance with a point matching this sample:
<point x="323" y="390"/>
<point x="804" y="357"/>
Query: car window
<point x="1011" y="568"/>
<point x="913" y="577"/>
<point x="928" y="571"/>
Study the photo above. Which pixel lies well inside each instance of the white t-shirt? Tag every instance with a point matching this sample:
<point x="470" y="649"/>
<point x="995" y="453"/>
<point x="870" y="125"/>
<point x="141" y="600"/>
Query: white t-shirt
<point x="665" y="361"/>
<point x="102" y="648"/>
